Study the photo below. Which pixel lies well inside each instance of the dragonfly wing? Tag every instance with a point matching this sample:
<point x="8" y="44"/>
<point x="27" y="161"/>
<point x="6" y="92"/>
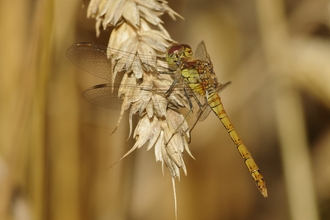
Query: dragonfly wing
<point x="201" y="53"/>
<point x="206" y="111"/>
<point x="92" y="58"/>
<point x="222" y="86"/>
<point x="103" y="95"/>
<point x="112" y="97"/>
<point x="106" y="63"/>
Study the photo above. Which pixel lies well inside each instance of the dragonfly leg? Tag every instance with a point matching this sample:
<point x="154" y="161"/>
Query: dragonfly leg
<point x="170" y="90"/>
<point x="186" y="116"/>
<point x="190" y="109"/>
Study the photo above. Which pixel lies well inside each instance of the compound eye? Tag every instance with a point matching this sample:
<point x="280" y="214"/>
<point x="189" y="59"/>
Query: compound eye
<point x="189" y="52"/>
<point x="175" y="58"/>
<point x="173" y="50"/>
<point x="172" y="59"/>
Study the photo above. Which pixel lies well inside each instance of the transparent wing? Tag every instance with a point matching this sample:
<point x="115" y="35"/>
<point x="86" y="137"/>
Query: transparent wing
<point x="201" y="53"/>
<point x="91" y="58"/>
<point x="107" y="96"/>
<point x="103" y="95"/>
<point x="103" y="62"/>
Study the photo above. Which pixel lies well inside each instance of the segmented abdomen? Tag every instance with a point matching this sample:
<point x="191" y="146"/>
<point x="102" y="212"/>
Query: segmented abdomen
<point x="215" y="103"/>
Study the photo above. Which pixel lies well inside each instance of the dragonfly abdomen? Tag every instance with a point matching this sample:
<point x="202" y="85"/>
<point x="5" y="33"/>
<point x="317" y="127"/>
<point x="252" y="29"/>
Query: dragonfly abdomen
<point x="217" y="107"/>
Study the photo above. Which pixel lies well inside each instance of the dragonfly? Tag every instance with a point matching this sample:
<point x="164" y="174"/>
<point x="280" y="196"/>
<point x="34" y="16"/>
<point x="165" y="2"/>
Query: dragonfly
<point x="201" y="95"/>
<point x="198" y="73"/>
<point x="105" y="63"/>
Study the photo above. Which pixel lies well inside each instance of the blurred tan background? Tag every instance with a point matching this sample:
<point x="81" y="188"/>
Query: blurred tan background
<point x="56" y="149"/>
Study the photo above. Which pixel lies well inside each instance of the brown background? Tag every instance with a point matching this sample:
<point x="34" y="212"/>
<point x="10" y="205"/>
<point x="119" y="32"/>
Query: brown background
<point x="55" y="148"/>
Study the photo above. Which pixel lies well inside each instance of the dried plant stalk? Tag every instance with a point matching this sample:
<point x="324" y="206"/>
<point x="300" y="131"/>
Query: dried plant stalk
<point x="138" y="30"/>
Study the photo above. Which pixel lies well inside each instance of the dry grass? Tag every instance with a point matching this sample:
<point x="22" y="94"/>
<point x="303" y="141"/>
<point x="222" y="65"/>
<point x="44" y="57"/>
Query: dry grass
<point x="55" y="148"/>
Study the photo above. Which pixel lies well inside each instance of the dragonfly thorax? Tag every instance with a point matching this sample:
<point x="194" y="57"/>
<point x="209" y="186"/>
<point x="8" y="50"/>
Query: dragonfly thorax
<point x="201" y="72"/>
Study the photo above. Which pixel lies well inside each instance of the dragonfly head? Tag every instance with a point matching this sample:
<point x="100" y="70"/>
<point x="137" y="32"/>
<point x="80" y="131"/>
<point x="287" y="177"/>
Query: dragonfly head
<point x="177" y="54"/>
